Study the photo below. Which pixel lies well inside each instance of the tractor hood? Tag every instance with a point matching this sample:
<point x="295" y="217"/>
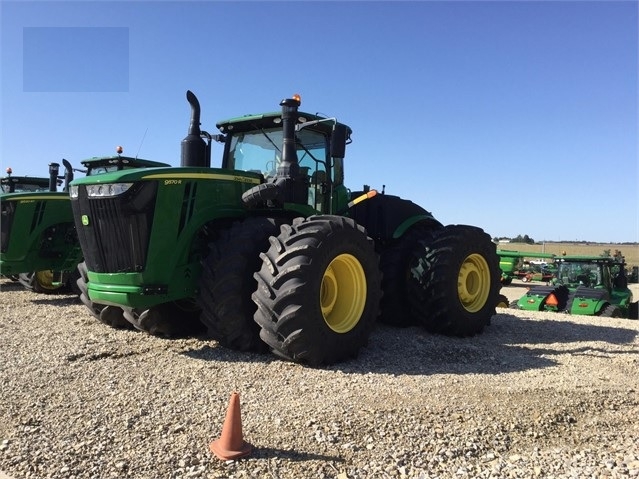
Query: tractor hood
<point x="168" y="176"/>
<point x="25" y="196"/>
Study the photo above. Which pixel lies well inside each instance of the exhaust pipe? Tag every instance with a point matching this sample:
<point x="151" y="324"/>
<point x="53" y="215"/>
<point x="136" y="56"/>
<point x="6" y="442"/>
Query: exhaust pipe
<point x="194" y="150"/>
<point x="54" y="168"/>
<point x="68" y="174"/>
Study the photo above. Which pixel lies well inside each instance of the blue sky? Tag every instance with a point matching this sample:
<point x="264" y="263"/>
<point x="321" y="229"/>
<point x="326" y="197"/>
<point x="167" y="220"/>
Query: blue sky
<point x="518" y="117"/>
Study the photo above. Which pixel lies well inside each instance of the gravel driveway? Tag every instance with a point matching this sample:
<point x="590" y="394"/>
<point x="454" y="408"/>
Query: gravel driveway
<point x="536" y="395"/>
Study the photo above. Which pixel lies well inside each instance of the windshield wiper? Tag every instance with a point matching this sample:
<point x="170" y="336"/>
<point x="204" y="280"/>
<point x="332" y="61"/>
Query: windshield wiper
<point x="298" y="142"/>
<point x="269" y="139"/>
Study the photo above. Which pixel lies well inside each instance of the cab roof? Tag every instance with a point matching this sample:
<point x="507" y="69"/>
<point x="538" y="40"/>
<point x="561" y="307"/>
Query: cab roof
<point x="25" y="180"/>
<point x="272" y="120"/>
<point x="588" y="259"/>
<point x="126" y="161"/>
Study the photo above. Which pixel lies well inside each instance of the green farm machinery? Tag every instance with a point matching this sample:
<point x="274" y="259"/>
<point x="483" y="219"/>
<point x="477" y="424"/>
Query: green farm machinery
<point x="39" y="244"/>
<point x="584" y="285"/>
<point x="18" y="184"/>
<point x="512" y="265"/>
<point x="271" y="251"/>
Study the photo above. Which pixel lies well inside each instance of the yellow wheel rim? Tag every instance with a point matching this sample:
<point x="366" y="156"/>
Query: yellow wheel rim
<point x="44" y="279"/>
<point x="473" y="283"/>
<point x="343" y="293"/>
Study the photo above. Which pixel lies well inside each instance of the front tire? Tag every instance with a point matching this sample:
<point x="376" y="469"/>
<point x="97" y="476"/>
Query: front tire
<point x="319" y="290"/>
<point x="175" y="319"/>
<point x="227" y="282"/>
<point x="112" y="316"/>
<point x="456" y="281"/>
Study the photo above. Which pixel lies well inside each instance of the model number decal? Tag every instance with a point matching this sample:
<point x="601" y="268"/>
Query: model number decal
<point x="172" y="182"/>
<point x="244" y="179"/>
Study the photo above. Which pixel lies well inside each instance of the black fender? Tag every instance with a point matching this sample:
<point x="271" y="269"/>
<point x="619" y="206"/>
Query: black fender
<point x="388" y="217"/>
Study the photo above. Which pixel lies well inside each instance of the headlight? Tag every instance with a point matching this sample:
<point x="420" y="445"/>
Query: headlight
<point x="73" y="191"/>
<point x="109" y="189"/>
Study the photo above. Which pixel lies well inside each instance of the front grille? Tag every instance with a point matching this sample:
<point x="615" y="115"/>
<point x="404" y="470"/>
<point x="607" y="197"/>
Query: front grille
<point x="115" y="232"/>
<point x="6" y="220"/>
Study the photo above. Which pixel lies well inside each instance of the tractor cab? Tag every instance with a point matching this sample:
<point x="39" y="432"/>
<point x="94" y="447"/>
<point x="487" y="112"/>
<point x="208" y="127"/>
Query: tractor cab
<point x="22" y="184"/>
<point x="255" y="143"/>
<point x="592" y="274"/>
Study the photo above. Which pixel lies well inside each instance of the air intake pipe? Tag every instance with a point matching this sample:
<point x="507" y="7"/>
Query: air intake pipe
<point x="288" y="178"/>
<point x="194" y="148"/>
<point x="288" y="185"/>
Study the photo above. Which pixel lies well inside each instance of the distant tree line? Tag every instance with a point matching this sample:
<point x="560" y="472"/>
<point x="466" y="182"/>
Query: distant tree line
<point x="517" y="239"/>
<point x="527" y="239"/>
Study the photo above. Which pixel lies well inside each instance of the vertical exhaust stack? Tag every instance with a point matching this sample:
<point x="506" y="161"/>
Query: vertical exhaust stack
<point x="68" y="174"/>
<point x="193" y="146"/>
<point x="293" y="188"/>
<point x="54" y="169"/>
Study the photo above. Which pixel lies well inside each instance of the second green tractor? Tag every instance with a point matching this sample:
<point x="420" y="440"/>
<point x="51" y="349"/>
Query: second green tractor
<point x="39" y="245"/>
<point x="271" y="251"/>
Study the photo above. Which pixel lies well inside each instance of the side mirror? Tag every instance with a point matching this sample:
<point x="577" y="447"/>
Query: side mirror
<point x="338" y="141"/>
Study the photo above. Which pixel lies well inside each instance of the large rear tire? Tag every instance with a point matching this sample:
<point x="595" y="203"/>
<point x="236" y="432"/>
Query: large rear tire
<point x="227" y="282"/>
<point x="396" y="270"/>
<point x="318" y="290"/>
<point x="456" y="280"/>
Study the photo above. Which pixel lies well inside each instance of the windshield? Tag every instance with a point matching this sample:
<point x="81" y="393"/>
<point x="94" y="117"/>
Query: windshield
<point x="260" y="151"/>
<point x="99" y="170"/>
<point x="23" y="187"/>
<point x="587" y="274"/>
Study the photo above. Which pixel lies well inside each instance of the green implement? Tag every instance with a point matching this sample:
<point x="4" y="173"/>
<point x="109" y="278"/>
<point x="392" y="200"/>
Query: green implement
<point x="584" y="285"/>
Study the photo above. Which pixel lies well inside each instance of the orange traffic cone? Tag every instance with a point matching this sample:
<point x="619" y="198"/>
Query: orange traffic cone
<point x="231" y="445"/>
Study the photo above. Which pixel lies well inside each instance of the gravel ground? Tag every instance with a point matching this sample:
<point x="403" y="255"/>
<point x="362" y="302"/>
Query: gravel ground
<point x="536" y="395"/>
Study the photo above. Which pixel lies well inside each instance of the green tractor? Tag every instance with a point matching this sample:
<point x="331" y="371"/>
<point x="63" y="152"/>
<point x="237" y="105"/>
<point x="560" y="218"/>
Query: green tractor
<point x="17" y="184"/>
<point x="511" y="263"/>
<point x="39" y="244"/>
<point x="585" y="285"/>
<point x="271" y="250"/>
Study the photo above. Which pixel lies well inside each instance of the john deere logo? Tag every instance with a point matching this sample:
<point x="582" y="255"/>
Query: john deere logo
<point x="85" y="220"/>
